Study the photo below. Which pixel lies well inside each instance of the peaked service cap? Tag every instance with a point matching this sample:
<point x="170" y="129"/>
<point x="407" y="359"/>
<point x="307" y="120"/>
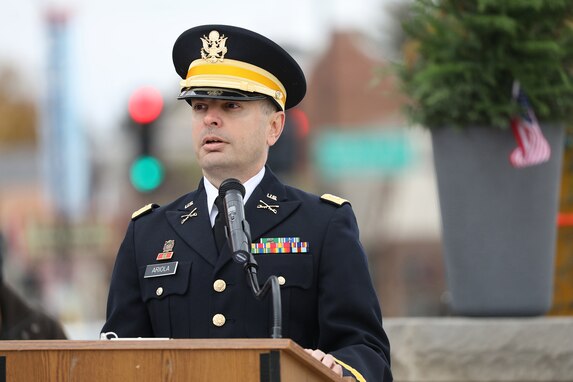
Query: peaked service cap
<point x="228" y="62"/>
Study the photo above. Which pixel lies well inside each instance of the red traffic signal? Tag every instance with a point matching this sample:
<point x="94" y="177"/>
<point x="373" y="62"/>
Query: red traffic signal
<point x="300" y="121"/>
<point x="145" y="105"/>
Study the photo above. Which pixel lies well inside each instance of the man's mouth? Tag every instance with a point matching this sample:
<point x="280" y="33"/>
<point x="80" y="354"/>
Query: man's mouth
<point x="212" y="141"/>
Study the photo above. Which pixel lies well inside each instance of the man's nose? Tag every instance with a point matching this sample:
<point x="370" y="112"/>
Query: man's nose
<point x="212" y="117"/>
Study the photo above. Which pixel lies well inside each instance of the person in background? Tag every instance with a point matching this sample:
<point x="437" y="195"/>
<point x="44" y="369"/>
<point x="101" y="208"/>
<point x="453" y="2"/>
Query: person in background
<point x="174" y="278"/>
<point x="20" y="321"/>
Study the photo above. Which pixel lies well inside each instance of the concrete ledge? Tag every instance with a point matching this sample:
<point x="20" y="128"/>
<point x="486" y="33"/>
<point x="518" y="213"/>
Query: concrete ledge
<point x="481" y="349"/>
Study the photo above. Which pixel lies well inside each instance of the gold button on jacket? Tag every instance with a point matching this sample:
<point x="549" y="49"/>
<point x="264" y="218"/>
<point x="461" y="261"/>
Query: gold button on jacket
<point x="219" y="319"/>
<point x="219" y="285"/>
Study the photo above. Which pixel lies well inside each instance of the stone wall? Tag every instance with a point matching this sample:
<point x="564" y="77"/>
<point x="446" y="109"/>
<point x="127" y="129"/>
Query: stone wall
<point x="481" y="349"/>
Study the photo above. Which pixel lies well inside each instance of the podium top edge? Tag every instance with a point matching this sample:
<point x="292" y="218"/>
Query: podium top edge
<point x="151" y="343"/>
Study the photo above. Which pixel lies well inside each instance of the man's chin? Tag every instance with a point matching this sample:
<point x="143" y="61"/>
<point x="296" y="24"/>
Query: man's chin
<point x="219" y="169"/>
<point x="214" y="161"/>
<point x="214" y="164"/>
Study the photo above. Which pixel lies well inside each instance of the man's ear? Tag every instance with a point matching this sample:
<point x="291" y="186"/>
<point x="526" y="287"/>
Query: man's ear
<point x="276" y="125"/>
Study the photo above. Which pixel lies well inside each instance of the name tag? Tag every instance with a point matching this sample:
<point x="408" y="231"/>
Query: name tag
<point x="157" y="270"/>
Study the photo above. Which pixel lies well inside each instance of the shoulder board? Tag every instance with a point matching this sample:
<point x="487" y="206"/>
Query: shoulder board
<point x="334" y="199"/>
<point x="144" y="210"/>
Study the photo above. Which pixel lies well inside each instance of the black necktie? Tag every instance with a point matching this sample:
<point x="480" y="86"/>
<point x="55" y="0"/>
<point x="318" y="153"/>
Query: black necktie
<point x="219" y="226"/>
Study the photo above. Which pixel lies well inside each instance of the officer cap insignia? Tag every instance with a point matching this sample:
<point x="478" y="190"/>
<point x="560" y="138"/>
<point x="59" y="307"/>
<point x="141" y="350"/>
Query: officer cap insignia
<point x="144" y="210"/>
<point x="214" y="48"/>
<point x="336" y="200"/>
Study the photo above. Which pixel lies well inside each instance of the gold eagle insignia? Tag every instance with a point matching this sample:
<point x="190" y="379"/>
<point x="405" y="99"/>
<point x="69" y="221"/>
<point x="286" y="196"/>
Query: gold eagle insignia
<point x="214" y="48"/>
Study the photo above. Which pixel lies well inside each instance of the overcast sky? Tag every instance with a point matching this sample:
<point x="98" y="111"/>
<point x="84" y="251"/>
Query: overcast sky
<point x="119" y="45"/>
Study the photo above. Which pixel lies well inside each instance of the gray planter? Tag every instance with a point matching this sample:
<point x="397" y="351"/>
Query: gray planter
<point x="499" y="222"/>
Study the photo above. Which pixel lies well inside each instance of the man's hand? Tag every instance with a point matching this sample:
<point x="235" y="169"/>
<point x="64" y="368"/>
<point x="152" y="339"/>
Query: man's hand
<point x="326" y="360"/>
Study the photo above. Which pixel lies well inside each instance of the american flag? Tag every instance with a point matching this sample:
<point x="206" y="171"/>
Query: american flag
<point x="532" y="147"/>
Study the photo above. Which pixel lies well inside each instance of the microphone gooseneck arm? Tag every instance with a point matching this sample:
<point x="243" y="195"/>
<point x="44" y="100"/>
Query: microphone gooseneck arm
<point x="239" y="239"/>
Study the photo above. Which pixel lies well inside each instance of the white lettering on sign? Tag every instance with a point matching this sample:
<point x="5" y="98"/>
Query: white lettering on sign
<point x="156" y="270"/>
<point x="161" y="269"/>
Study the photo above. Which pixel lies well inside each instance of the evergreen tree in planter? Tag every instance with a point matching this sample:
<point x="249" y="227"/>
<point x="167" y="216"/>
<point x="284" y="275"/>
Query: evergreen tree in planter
<point x="462" y="57"/>
<point x="461" y="61"/>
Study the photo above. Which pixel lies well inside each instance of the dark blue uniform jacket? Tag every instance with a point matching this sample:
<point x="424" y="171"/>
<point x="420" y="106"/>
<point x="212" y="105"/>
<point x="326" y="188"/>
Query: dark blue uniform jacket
<point x="328" y="301"/>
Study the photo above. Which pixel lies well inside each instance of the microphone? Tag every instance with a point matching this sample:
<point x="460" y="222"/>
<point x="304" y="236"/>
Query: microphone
<point x="239" y="239"/>
<point x="237" y="229"/>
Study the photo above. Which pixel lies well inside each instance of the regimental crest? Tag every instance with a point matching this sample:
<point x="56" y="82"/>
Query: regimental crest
<point x="168" y="246"/>
<point x="214" y="48"/>
<point x="167" y="251"/>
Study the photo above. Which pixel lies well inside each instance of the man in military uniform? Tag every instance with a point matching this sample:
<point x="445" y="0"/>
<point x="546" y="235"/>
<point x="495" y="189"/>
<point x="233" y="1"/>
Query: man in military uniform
<point x="170" y="278"/>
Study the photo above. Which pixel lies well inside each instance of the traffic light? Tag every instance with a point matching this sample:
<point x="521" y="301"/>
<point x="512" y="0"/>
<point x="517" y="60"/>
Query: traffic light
<point x="288" y="151"/>
<point x="145" y="106"/>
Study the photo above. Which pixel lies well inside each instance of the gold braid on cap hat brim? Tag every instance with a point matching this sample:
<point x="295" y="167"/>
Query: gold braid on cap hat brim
<point x="233" y="74"/>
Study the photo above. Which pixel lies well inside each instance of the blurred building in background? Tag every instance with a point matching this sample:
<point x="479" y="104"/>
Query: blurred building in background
<point x="363" y="150"/>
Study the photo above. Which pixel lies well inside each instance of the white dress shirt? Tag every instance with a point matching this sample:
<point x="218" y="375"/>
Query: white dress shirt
<point x="213" y="192"/>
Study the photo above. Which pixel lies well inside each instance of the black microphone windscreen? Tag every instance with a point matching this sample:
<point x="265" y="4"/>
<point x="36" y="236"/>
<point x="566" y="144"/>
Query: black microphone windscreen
<point x="231" y="184"/>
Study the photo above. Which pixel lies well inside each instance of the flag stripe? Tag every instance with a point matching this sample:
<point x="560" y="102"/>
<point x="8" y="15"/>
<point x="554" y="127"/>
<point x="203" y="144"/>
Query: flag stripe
<point x="532" y="148"/>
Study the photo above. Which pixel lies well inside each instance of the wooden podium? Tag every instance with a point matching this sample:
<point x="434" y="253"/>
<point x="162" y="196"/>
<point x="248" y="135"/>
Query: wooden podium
<point x="260" y="360"/>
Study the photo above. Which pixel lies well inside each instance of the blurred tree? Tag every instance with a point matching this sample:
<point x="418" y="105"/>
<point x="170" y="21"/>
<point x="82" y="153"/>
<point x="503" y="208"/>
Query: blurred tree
<point x="18" y="115"/>
<point x="462" y="57"/>
<point x="393" y="34"/>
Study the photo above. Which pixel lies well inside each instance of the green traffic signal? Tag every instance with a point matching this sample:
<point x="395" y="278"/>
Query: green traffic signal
<point x="146" y="173"/>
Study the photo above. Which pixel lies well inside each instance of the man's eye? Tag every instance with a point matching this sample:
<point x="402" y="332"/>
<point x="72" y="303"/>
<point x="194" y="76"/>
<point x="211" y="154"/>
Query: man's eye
<point x="232" y="105"/>
<point x="199" y="106"/>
